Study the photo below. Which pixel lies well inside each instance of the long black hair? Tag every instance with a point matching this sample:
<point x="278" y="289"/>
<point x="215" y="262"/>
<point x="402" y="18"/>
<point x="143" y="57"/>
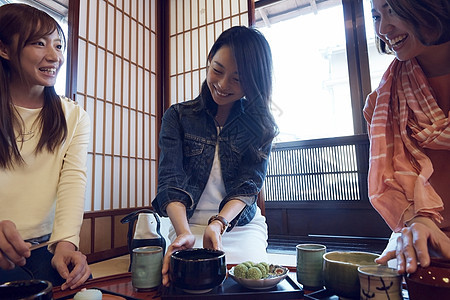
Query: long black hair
<point x="27" y="24"/>
<point x="254" y="61"/>
<point x="429" y="18"/>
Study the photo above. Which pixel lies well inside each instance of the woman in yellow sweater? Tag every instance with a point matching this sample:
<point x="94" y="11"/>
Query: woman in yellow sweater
<point x="43" y="150"/>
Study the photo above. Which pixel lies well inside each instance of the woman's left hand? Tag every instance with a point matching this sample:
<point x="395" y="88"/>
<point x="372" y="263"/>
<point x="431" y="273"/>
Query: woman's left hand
<point x="71" y="265"/>
<point x="212" y="239"/>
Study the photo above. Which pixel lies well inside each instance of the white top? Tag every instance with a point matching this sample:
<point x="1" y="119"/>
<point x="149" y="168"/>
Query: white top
<point x="242" y="243"/>
<point x="46" y="194"/>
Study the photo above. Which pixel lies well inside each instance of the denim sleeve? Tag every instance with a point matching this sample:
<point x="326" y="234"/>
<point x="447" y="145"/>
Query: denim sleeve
<point x="171" y="175"/>
<point x="247" y="185"/>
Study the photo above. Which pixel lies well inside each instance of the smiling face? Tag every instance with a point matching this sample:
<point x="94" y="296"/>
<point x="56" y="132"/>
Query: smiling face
<point x="41" y="59"/>
<point x="395" y="32"/>
<point x="223" y="78"/>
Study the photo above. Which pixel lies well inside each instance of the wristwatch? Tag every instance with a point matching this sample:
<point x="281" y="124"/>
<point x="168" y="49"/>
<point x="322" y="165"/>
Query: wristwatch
<point x="222" y="220"/>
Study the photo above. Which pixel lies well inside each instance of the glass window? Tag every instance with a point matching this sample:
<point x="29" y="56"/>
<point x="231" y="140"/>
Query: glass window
<point x="311" y="94"/>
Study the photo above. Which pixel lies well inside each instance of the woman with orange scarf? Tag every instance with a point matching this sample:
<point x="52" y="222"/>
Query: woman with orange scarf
<point x="409" y="130"/>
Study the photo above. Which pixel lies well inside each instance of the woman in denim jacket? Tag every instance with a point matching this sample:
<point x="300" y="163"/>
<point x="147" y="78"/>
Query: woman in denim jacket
<point x="214" y="153"/>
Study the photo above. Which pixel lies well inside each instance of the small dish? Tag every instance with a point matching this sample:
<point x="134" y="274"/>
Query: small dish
<point x="260" y="284"/>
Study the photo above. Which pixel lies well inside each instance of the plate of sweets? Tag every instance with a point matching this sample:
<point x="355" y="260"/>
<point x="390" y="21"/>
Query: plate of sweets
<point x="258" y="276"/>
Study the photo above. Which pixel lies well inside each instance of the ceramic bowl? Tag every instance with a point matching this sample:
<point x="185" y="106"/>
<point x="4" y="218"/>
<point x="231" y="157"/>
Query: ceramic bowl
<point x="260" y="284"/>
<point x="432" y="282"/>
<point x="341" y="271"/>
<point x="27" y="289"/>
<point x="197" y="270"/>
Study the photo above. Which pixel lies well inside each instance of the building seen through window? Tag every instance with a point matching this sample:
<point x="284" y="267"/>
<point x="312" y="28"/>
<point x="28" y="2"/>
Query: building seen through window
<point x="311" y="97"/>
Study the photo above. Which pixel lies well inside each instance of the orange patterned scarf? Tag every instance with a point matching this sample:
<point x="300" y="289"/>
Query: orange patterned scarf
<point x="403" y="117"/>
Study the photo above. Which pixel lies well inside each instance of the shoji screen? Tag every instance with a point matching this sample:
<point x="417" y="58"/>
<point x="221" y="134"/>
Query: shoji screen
<point x="194" y="26"/>
<point x="116" y="84"/>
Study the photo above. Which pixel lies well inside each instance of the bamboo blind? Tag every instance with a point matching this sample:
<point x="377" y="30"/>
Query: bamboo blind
<point x="194" y="26"/>
<point x="116" y="84"/>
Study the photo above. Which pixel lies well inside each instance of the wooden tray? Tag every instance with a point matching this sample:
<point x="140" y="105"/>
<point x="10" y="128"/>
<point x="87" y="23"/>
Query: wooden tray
<point x="230" y="289"/>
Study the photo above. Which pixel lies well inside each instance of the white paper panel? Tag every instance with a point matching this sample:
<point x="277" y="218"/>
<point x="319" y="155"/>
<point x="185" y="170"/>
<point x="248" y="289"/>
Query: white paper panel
<point x="226" y="8"/>
<point x="153" y="15"/>
<point x="194" y="13"/>
<point x="117" y="129"/>
<point x="154" y="174"/>
<point x="153" y="52"/>
<point x="98" y="182"/>
<point x="179" y="16"/>
<point x="132" y="133"/>
<point x="90" y="76"/>
<point x="125" y="83"/>
<point x="209" y="11"/>
<point x="110" y="30"/>
<point x="99" y="126"/>
<point x="152" y="98"/>
<point x="134" y="41"/>
<point x="180" y="90"/>
<point x="173" y="19"/>
<point x="118" y="97"/>
<point x="116" y="182"/>
<point x="217" y="9"/>
<point x="187" y="51"/>
<point x="133" y="86"/>
<point x="147" y="85"/>
<point x="118" y="33"/>
<point x="109" y="72"/>
<point x="194" y="49"/>
<point x="126" y="6"/>
<point x="140" y="45"/>
<point x="203" y="47"/>
<point x="100" y="72"/>
<point x="188" y="86"/>
<point x="140" y="89"/>
<point x="125" y="179"/>
<point x="147" y="181"/>
<point x="108" y="129"/>
<point x="180" y="56"/>
<point x="132" y="182"/>
<point x="126" y="37"/>
<point x="147" y="137"/>
<point x="125" y="132"/>
<point x="202" y="12"/>
<point x="153" y="141"/>
<point x="187" y="14"/>
<point x="173" y="56"/>
<point x="101" y="24"/>
<point x="83" y="21"/>
<point x="92" y="20"/>
<point x="90" y="110"/>
<point x="235" y="7"/>
<point x="81" y="77"/>
<point x="139" y="134"/>
<point x="107" y="183"/>
<point x="147" y="49"/>
<point x="139" y="178"/>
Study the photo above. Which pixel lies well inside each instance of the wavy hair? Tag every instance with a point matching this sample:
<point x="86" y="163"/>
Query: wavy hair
<point x="254" y="61"/>
<point x="427" y="17"/>
<point x="19" y="25"/>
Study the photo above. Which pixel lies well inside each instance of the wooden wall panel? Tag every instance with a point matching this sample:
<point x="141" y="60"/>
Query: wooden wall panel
<point x="117" y="85"/>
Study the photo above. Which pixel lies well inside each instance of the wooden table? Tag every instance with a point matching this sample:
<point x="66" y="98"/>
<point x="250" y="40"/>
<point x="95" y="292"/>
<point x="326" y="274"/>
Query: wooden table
<point x="121" y="284"/>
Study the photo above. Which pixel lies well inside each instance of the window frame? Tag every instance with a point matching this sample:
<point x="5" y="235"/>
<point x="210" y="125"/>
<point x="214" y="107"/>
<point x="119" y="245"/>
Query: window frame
<point x="357" y="56"/>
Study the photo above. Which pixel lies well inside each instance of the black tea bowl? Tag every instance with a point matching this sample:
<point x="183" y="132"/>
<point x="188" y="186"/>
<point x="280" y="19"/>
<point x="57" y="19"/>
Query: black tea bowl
<point x="26" y="290"/>
<point x="197" y="270"/>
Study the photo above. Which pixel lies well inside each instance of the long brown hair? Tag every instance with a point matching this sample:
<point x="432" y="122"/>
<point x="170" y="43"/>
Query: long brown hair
<point x="26" y="23"/>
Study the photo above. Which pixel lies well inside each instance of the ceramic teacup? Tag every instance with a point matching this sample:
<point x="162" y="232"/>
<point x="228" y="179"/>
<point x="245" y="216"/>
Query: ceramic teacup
<point x="310" y="265"/>
<point x="146" y="267"/>
<point x="379" y="283"/>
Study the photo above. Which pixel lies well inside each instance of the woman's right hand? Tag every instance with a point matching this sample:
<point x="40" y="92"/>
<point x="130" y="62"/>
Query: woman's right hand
<point x="415" y="244"/>
<point x="183" y="241"/>
<point x="13" y="249"/>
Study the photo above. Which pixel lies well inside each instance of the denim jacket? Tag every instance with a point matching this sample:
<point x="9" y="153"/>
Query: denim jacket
<point x="187" y="141"/>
